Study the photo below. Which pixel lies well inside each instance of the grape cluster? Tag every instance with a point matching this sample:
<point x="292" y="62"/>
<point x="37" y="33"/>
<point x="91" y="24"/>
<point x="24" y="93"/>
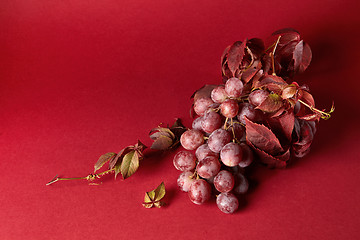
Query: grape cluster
<point x="215" y="152"/>
<point x="259" y="110"/>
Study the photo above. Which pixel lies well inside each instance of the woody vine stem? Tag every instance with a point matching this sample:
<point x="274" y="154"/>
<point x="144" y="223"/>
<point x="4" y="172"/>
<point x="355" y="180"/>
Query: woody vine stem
<point x="90" y="177"/>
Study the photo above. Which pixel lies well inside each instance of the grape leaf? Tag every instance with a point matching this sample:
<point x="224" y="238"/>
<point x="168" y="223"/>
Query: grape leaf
<point x="167" y="138"/>
<point x="298" y="55"/>
<point x="235" y="56"/>
<point x="262" y="138"/>
<point x="154" y="197"/>
<point x="129" y="164"/>
<point x="271" y="104"/>
<point x="302" y="56"/>
<point x="306" y="59"/>
<point x="162" y="143"/>
<point x="273" y="83"/>
<point x="127" y="160"/>
<point x="289" y="91"/>
<point x="203" y="92"/>
<point x="269" y="160"/>
<point x="104" y="159"/>
<point x="283" y="124"/>
<point x="256" y="46"/>
<point x="117" y="160"/>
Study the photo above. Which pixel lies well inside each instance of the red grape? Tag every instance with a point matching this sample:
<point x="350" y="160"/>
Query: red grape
<point x="196" y="124"/>
<point x="231" y="154"/>
<point x="248" y="155"/>
<point x="204" y="151"/>
<point x="246" y="110"/>
<point x="241" y="184"/>
<point x="234" y="87"/>
<point x="184" y="161"/>
<point x="218" y="94"/>
<point x="229" y="108"/>
<point x="191" y="139"/>
<point x="208" y="167"/>
<point x="224" y="181"/>
<point x="185" y="180"/>
<point x="218" y="139"/>
<point x="211" y="121"/>
<point x="227" y="202"/>
<point x="200" y="191"/>
<point x="201" y="105"/>
<point x="257" y="97"/>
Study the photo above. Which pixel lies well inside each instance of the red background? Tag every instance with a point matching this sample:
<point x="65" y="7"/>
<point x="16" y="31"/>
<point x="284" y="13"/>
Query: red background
<point x="82" y="78"/>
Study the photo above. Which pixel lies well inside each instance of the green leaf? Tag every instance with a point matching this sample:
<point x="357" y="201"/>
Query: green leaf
<point x="160" y="192"/>
<point x="130" y="164"/>
<point x="103" y="159"/>
<point x="154" y="197"/>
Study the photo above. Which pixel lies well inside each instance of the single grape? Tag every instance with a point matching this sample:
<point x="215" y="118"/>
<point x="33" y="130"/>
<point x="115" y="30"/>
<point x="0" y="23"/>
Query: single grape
<point x="231" y="154"/>
<point x="297" y="107"/>
<point x="185" y="180"/>
<point x="191" y="139"/>
<point x="241" y="184"/>
<point x="248" y="155"/>
<point x="227" y="202"/>
<point x="258" y="96"/>
<point x="218" y="139"/>
<point x="196" y="124"/>
<point x="224" y="181"/>
<point x="229" y="108"/>
<point x="218" y="94"/>
<point x="247" y="110"/>
<point x="200" y="191"/>
<point x="211" y="121"/>
<point x="234" y="87"/>
<point x="204" y="151"/>
<point x="208" y="167"/>
<point x="184" y="161"/>
<point x="201" y="105"/>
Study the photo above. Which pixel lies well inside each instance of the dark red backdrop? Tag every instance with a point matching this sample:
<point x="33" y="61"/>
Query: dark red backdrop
<point x="81" y="78"/>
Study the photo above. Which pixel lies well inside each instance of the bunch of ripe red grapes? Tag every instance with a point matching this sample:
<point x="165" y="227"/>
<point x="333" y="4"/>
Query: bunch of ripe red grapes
<point x="258" y="114"/>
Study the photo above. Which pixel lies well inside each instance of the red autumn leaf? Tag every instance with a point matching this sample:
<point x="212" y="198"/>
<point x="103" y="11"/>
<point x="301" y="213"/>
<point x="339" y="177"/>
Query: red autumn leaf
<point x="203" y="92"/>
<point x="262" y="138"/>
<point x="273" y="83"/>
<point x="298" y="55"/>
<point x="223" y="59"/>
<point x="257" y="46"/>
<point x="289" y="91"/>
<point x="269" y="160"/>
<point x="271" y="104"/>
<point x="249" y="73"/>
<point x="283" y="124"/>
<point x="235" y="56"/>
<point x="287" y="35"/>
<point x="307" y="97"/>
<point x="306" y="58"/>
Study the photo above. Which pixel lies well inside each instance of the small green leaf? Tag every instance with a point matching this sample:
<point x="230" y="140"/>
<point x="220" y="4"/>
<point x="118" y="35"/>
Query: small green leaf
<point x="160" y="192"/>
<point x="104" y="159"/>
<point x="153" y="198"/>
<point x="130" y="164"/>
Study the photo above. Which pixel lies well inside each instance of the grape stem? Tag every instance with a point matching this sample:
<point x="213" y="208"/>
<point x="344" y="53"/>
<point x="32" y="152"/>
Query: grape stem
<point x="90" y="177"/>
<point x="272" y="54"/>
<point x="324" y="115"/>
